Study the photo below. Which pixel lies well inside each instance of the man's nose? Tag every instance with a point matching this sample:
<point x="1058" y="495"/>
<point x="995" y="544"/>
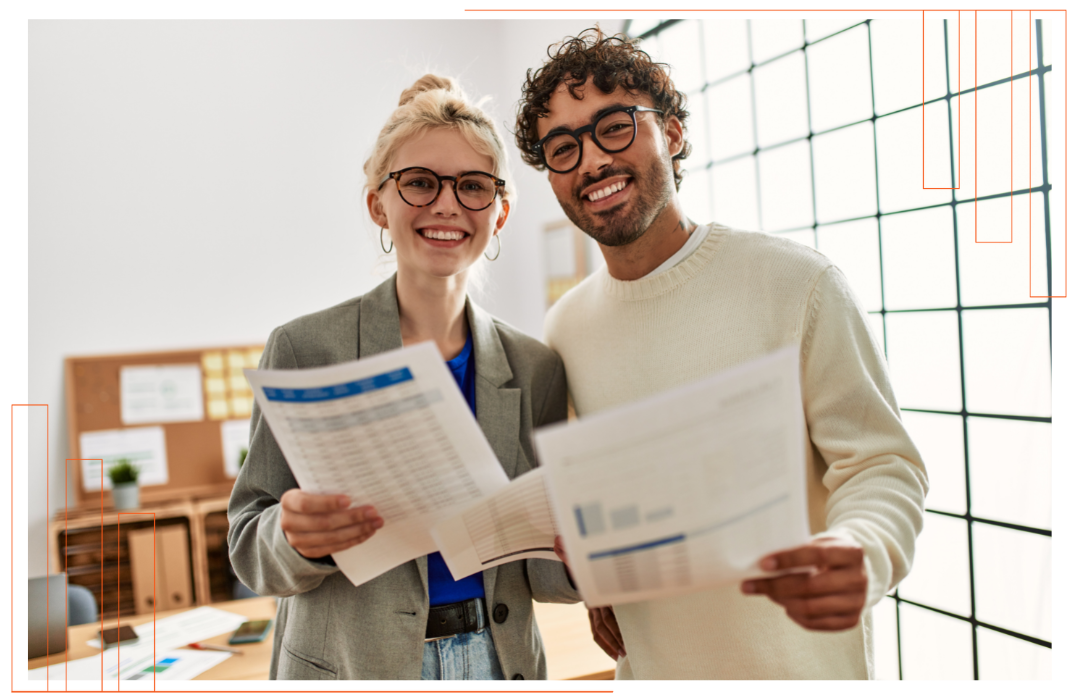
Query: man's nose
<point x="593" y="158"/>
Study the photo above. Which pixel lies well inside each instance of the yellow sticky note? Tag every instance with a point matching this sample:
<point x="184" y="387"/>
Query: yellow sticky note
<point x="213" y="361"/>
<point x="238" y="383"/>
<point x="254" y="355"/>
<point x="217" y="409"/>
<point x="241" y="407"/>
<point x="215" y="385"/>
<point x="236" y="359"/>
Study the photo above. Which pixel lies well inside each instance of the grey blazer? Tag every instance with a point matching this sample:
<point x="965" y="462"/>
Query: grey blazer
<point x="326" y="627"/>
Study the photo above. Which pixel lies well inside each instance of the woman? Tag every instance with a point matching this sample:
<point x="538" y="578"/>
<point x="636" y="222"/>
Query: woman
<point x="436" y="182"/>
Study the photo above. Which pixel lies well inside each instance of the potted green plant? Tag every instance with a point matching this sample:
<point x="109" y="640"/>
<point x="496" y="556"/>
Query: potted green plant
<point x="124" y="476"/>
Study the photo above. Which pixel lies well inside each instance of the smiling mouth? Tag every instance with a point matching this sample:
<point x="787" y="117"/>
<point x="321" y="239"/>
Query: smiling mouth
<point x="440" y="235"/>
<point x="600" y="195"/>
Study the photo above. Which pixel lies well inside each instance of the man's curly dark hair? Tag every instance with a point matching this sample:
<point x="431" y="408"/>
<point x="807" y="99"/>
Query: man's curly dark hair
<point x="612" y="62"/>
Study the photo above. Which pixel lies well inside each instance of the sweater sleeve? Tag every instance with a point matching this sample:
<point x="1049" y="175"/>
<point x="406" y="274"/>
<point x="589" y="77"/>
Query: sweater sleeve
<point x="875" y="477"/>
<point x="258" y="550"/>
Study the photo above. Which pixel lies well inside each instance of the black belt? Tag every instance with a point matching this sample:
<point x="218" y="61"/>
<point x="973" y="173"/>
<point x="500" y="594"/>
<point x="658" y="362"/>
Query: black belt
<point x="455" y="618"/>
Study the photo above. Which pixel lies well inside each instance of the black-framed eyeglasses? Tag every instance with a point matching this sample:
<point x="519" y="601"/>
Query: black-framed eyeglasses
<point x="613" y="131"/>
<point x="419" y="187"/>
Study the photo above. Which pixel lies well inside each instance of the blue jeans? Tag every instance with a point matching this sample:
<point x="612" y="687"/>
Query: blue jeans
<point x="469" y="656"/>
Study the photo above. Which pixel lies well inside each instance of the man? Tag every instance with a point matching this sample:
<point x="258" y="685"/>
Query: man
<point x="679" y="302"/>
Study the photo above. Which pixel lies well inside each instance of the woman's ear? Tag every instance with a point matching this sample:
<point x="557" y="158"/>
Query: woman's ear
<point x="375" y="209"/>
<point x="503" y="215"/>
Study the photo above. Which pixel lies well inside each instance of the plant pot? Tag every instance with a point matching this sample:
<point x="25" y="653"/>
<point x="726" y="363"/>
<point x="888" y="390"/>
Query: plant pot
<point x="126" y="497"/>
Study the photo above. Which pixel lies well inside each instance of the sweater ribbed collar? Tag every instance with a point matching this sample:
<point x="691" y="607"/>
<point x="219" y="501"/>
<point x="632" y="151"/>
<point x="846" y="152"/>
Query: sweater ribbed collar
<point x="648" y="287"/>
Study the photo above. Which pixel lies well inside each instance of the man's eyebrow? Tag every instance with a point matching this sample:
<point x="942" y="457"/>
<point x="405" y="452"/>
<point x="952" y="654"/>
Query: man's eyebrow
<point x="592" y="119"/>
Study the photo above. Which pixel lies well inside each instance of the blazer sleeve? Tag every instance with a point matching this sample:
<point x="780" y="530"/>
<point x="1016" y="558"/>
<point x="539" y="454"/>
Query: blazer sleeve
<point x="258" y="550"/>
<point x="875" y="476"/>
<point x="548" y="579"/>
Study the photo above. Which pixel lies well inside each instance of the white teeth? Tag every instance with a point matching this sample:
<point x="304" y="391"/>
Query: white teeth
<point x="442" y="235"/>
<point x="607" y="191"/>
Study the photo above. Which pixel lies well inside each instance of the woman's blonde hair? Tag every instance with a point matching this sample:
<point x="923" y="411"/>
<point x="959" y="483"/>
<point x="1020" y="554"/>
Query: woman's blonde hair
<point x="432" y="102"/>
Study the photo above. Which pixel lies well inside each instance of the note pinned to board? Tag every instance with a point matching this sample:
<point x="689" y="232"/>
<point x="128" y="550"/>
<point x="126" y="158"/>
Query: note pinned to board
<point x="234" y="440"/>
<point x="391" y="430"/>
<point x="685" y="490"/>
<point x="160" y="394"/>
<point x="144" y="447"/>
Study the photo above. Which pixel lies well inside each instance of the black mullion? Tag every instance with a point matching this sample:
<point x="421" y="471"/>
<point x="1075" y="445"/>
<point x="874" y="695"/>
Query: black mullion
<point x="988" y="307"/>
<point x="881" y="287"/>
<point x="997" y="523"/>
<point x="810" y="136"/>
<point x="960" y="340"/>
<point x="975" y="623"/>
<point x="753" y="119"/>
<point x="708" y="120"/>
<point x="1046" y="181"/>
<point x="1000" y="416"/>
<point x="664" y="24"/>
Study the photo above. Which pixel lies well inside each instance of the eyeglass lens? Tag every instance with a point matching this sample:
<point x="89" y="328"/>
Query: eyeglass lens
<point x="420" y="187"/>
<point x="614" y="132"/>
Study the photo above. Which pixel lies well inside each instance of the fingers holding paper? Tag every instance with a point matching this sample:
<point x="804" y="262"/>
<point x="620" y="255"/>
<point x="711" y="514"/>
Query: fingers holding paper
<point x="831" y="597"/>
<point x="317" y="525"/>
<point x="606" y="634"/>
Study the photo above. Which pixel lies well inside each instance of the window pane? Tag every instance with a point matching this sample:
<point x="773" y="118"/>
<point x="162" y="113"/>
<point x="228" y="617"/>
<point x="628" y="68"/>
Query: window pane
<point x="780" y="100"/>
<point x="726" y="47"/>
<point x="1025" y="130"/>
<point x="680" y="46"/>
<point x="1001" y="274"/>
<point x="804" y="236"/>
<point x="772" y="37"/>
<point x="827" y="23"/>
<point x="1010" y="471"/>
<point x="697" y="131"/>
<point x="886" y="654"/>
<point x="1012" y="580"/>
<point x="940" y="440"/>
<point x="924" y="359"/>
<point x="1005" y="658"/>
<point x="844" y="179"/>
<point x="735" y="194"/>
<point x="897" y="48"/>
<point x="1007" y="361"/>
<point x="917" y="249"/>
<point x="694" y="196"/>
<point x="996" y="155"/>
<point x="994" y="30"/>
<point x="853" y="247"/>
<point x="731" y="119"/>
<point x="840" y="80"/>
<point x="940" y="576"/>
<point x="900" y="163"/>
<point x="786" y="200"/>
<point x="934" y="647"/>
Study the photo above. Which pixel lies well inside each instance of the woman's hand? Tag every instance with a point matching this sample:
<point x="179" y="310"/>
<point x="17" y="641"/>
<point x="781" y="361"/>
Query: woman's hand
<point x="319" y="525"/>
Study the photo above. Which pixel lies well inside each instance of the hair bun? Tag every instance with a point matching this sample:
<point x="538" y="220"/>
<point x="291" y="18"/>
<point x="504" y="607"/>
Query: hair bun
<point x="430" y="82"/>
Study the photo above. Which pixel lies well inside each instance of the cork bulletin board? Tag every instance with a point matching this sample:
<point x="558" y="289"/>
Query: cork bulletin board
<point x="193" y="446"/>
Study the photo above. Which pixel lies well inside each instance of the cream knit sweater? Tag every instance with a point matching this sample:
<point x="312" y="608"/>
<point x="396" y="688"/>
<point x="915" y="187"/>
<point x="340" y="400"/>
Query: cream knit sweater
<point x="739" y="296"/>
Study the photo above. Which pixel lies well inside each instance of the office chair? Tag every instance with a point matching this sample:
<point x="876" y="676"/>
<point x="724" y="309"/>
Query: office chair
<point x="82" y="608"/>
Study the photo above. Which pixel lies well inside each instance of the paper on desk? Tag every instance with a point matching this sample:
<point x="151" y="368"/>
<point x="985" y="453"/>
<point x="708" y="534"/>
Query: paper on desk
<point x="145" y="447"/>
<point x="136" y="666"/>
<point x="514" y="523"/>
<point x="181" y="629"/>
<point x="685" y="490"/>
<point x="392" y="431"/>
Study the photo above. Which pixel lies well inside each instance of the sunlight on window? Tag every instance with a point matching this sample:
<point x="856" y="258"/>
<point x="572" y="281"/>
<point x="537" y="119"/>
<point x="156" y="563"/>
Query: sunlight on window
<point x="925" y="374"/>
<point x="940" y="440"/>
<point x="786" y="200"/>
<point x="839" y="71"/>
<point x="934" y="647"/>
<point x="939" y="576"/>
<point x="845" y="181"/>
<point x="1010" y="471"/>
<point x="780" y="100"/>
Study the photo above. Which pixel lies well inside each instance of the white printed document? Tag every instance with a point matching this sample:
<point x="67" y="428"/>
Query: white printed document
<point x="392" y="431"/>
<point x="160" y="394"/>
<point x="514" y="523"/>
<point x="685" y="490"/>
<point x="144" y="447"/>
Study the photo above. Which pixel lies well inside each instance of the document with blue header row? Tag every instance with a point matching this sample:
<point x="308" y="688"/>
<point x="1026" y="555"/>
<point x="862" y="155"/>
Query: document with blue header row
<point x="392" y="431"/>
<point x="684" y="490"/>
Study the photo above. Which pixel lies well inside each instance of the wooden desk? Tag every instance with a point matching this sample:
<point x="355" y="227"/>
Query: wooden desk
<point x="571" y="652"/>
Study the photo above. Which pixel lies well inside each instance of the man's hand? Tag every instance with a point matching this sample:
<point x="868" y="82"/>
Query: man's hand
<point x="830" y="598"/>
<point x="605" y="629"/>
<point x="319" y="525"/>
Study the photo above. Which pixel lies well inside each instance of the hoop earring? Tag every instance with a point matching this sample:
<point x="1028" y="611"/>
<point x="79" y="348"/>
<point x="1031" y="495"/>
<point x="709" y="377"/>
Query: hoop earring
<point x="498" y="252"/>
<point x="382" y="245"/>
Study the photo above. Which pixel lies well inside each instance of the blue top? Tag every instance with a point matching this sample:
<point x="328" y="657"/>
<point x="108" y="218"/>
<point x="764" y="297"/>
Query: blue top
<point x="442" y="588"/>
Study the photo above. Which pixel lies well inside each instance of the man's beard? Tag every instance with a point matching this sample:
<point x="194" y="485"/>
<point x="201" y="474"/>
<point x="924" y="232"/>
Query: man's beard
<point x="626" y="222"/>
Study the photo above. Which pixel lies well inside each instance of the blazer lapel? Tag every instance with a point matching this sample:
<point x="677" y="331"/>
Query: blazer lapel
<point x="498" y="409"/>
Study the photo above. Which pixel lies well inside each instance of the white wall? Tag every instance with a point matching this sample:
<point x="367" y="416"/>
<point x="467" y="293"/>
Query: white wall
<point x="198" y="183"/>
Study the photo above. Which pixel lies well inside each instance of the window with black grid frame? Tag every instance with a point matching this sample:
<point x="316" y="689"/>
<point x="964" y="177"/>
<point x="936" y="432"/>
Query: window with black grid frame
<point x="813" y="130"/>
